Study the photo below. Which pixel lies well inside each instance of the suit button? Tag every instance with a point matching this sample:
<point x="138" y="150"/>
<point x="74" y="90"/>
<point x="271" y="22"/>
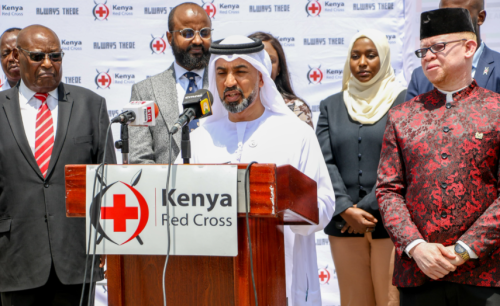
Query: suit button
<point x="444" y="156"/>
<point x="46" y="185"/>
<point x="361" y="125"/>
<point x="360" y="172"/>
<point x="359" y="139"/>
<point x="444" y="215"/>
<point x="448" y="105"/>
<point x="444" y="185"/>
<point x="446" y="129"/>
<point x="361" y="187"/>
<point x="359" y="155"/>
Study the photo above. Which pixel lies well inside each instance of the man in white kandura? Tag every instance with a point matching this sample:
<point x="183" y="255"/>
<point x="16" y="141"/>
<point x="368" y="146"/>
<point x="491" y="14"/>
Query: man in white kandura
<point x="251" y="122"/>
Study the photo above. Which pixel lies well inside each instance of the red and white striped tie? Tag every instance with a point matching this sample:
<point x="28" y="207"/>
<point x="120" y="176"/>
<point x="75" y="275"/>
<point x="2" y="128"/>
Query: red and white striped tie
<point x="44" y="135"/>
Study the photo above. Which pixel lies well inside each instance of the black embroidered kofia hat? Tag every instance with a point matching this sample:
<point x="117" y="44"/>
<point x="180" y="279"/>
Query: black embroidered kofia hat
<point x="245" y="48"/>
<point x="445" y="21"/>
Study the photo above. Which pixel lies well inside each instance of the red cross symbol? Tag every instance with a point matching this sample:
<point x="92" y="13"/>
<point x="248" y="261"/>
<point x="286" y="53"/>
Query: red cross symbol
<point x="100" y="12"/>
<point x="315" y="75"/>
<point x="322" y="276"/>
<point x="313" y="8"/>
<point x="158" y="45"/>
<point x="119" y="213"/>
<point x="209" y="10"/>
<point x="103" y="80"/>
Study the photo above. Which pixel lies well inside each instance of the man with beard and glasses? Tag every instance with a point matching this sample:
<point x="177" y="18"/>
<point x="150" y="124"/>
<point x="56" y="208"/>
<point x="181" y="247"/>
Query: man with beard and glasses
<point x="251" y="122"/>
<point x="10" y="66"/>
<point x="190" y="35"/>
<point x="483" y="63"/>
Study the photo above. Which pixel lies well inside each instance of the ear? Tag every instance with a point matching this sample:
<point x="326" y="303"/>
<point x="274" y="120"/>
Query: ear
<point x="261" y="80"/>
<point x="481" y="17"/>
<point x="470" y="48"/>
<point x="169" y="37"/>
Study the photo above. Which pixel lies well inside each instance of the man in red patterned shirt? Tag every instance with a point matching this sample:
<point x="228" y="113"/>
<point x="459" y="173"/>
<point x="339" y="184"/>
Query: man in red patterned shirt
<point x="438" y="178"/>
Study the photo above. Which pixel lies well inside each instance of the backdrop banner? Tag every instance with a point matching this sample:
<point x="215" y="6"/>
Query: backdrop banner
<point x="110" y="45"/>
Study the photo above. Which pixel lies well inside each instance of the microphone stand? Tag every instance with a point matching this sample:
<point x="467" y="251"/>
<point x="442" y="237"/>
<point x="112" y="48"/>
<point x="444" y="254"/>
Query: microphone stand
<point x="123" y="143"/>
<point x="185" y="145"/>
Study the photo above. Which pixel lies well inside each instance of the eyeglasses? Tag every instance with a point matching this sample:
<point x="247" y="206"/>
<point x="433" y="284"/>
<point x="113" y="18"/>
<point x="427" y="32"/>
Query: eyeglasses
<point x="439" y="47"/>
<point x="37" y="56"/>
<point x="190" y="33"/>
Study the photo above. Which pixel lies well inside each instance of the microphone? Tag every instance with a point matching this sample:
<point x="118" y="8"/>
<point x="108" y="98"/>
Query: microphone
<point x="138" y="113"/>
<point x="196" y="105"/>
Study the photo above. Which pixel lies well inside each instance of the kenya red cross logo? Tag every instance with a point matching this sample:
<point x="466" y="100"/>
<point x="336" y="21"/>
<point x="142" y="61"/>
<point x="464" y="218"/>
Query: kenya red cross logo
<point x="2" y="81"/>
<point x="100" y="11"/>
<point x="128" y="212"/>
<point x="103" y="79"/>
<point x="210" y="8"/>
<point x="324" y="276"/>
<point x="315" y="75"/>
<point x="313" y="8"/>
<point x="158" y="45"/>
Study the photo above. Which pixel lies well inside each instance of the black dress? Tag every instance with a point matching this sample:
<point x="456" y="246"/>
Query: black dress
<point x="352" y="154"/>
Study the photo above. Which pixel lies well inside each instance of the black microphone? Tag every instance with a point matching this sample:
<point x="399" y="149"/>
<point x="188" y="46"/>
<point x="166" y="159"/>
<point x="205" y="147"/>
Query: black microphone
<point x="124" y="118"/>
<point x="196" y="105"/>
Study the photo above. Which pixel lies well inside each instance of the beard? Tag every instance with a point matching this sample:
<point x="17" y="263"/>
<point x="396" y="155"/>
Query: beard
<point x="236" y="107"/>
<point x="188" y="61"/>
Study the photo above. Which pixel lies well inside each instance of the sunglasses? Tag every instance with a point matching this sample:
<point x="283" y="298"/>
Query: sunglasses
<point x="439" y="47"/>
<point x="190" y="33"/>
<point x="37" y="56"/>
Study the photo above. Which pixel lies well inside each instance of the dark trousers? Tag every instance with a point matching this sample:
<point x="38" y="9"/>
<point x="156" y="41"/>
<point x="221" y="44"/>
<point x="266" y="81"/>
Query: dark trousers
<point x="441" y="293"/>
<point x="53" y="293"/>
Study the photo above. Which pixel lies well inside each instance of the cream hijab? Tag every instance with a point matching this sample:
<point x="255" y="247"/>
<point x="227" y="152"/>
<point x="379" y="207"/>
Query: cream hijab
<point x="368" y="102"/>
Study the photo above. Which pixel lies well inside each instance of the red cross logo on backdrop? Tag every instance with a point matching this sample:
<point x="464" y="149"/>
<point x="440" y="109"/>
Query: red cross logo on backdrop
<point x="315" y="75"/>
<point x="313" y="8"/>
<point x="210" y="8"/>
<point x="324" y="276"/>
<point x="100" y="11"/>
<point x="103" y="79"/>
<point x="1" y="81"/>
<point x="158" y="45"/>
<point x="128" y="205"/>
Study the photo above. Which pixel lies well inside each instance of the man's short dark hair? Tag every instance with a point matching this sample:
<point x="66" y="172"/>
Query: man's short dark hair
<point x="10" y="30"/>
<point x="172" y="13"/>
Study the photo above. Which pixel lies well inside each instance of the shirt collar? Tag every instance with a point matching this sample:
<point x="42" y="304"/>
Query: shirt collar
<point x="28" y="93"/>
<point x="477" y="55"/>
<point x="179" y="71"/>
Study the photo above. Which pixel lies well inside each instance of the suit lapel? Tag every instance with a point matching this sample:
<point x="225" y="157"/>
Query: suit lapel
<point x="165" y="91"/>
<point x="64" y="108"/>
<point x="13" y="113"/>
<point x="485" y="68"/>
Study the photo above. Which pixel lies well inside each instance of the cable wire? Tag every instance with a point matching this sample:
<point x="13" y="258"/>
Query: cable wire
<point x="247" y="187"/>
<point x="168" y="220"/>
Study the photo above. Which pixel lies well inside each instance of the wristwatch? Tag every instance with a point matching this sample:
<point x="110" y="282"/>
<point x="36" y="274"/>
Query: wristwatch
<point x="462" y="252"/>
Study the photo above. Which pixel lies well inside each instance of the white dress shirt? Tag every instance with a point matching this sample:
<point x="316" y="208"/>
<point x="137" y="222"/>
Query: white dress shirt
<point x="477" y="56"/>
<point x="182" y="82"/>
<point x="29" y="109"/>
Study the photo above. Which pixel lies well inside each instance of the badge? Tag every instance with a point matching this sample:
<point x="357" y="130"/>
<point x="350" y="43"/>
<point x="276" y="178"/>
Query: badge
<point x="479" y="135"/>
<point x="253" y="143"/>
<point x="486" y="69"/>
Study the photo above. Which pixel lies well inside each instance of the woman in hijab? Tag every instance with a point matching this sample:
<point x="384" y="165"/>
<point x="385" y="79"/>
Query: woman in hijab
<point x="281" y="77"/>
<point x="350" y="130"/>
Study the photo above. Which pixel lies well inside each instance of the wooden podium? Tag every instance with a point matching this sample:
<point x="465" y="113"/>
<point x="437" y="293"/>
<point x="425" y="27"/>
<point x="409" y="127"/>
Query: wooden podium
<point x="278" y="196"/>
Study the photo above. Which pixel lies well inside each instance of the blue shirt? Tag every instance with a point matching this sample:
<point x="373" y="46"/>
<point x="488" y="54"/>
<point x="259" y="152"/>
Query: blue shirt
<point x="475" y="59"/>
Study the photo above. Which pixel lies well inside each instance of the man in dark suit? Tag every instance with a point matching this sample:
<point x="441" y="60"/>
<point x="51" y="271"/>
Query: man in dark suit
<point x="10" y="66"/>
<point x="483" y="64"/>
<point x="44" y="126"/>
<point x="190" y="35"/>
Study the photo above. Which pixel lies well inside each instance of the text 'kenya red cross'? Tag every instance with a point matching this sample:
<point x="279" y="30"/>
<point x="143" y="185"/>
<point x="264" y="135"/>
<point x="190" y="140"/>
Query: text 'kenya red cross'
<point x="313" y="8"/>
<point x="119" y="213"/>
<point x="158" y="45"/>
<point x="315" y="75"/>
<point x="100" y="12"/>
